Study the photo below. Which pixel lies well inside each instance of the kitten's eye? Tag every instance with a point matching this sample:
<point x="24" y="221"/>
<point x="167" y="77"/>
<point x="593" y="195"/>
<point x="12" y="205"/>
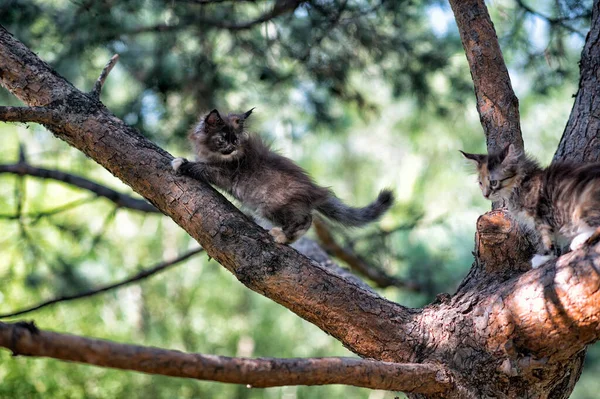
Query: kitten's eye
<point x="493" y="183"/>
<point x="220" y="140"/>
<point x="480" y="184"/>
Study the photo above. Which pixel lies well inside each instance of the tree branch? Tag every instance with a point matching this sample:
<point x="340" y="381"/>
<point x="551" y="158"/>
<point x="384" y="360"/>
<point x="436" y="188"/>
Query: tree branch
<point x="121" y="200"/>
<point x="366" y="323"/>
<point x="40" y="115"/>
<point x="561" y="21"/>
<point x="133" y="279"/>
<point x="579" y="141"/>
<point x="26" y="339"/>
<point x="103" y="75"/>
<point x="358" y="264"/>
<point x="497" y="103"/>
<point x="280" y="7"/>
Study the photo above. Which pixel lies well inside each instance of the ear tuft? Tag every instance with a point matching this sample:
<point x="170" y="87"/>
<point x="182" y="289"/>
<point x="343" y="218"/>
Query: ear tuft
<point x="477" y="158"/>
<point x="248" y="113"/>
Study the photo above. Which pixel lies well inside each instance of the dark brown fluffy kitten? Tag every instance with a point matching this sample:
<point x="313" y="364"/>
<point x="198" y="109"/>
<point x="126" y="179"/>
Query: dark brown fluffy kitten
<point x="274" y="186"/>
<point x="562" y="201"/>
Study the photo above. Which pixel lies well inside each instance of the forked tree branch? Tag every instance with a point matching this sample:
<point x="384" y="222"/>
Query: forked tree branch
<point x="497" y="103"/>
<point x="86" y="294"/>
<point x="26" y="339"/>
<point x="120" y="199"/>
<point x="366" y="323"/>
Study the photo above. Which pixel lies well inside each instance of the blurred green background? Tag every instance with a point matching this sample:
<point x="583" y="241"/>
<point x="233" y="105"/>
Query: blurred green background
<point x="363" y="94"/>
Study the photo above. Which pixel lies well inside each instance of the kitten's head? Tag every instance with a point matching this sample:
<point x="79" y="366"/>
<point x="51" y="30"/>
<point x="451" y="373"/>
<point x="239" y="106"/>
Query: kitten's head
<point x="498" y="172"/>
<point x="220" y="138"/>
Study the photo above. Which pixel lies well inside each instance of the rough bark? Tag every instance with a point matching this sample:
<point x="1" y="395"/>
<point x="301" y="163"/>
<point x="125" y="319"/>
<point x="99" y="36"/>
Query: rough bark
<point x="497" y="103"/>
<point x="26" y="339"/>
<point x="580" y="141"/>
<point x="366" y="323"/>
<point x="507" y="332"/>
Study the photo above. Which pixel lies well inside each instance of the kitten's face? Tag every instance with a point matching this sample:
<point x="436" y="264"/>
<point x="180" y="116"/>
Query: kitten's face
<point x="220" y="138"/>
<point x="497" y="173"/>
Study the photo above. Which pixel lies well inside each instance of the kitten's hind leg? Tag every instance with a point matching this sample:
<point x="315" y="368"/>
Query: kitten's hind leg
<point x="294" y="222"/>
<point x="298" y="228"/>
<point x="177" y="162"/>
<point x="278" y="235"/>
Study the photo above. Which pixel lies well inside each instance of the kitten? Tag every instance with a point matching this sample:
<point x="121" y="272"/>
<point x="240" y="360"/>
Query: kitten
<point x="562" y="201"/>
<point x="275" y="187"/>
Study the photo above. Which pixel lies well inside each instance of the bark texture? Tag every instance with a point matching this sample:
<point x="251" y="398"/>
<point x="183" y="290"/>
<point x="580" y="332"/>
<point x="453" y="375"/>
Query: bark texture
<point x="26" y="339"/>
<point x="497" y="104"/>
<point x="367" y="324"/>
<point x="581" y="139"/>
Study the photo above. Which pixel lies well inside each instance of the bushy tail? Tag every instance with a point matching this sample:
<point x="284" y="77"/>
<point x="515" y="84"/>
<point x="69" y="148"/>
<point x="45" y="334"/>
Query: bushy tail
<point x="336" y="210"/>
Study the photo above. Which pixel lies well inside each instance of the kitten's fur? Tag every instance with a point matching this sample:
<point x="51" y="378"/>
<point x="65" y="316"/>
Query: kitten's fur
<point x="272" y="185"/>
<point x="562" y="201"/>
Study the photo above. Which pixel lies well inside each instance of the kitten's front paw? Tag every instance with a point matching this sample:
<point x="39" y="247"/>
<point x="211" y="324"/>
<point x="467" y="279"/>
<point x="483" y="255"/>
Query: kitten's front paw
<point x="580" y="240"/>
<point x="177" y="162"/>
<point x="539" y="260"/>
<point x="278" y="235"/>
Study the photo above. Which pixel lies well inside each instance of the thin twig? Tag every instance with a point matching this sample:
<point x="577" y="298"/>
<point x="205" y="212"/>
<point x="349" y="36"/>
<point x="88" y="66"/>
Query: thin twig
<point x="103" y="75"/>
<point x="122" y="200"/>
<point x="560" y="21"/>
<point x="137" y="277"/>
<point x="50" y="212"/>
<point x="280" y="8"/>
<point x="357" y="263"/>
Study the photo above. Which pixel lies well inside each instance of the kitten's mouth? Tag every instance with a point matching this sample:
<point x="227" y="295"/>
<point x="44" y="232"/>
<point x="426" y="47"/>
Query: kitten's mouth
<point x="227" y="152"/>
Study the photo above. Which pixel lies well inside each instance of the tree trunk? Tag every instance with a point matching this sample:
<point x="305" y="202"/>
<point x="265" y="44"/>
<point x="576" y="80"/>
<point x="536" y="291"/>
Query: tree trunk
<point x="508" y="331"/>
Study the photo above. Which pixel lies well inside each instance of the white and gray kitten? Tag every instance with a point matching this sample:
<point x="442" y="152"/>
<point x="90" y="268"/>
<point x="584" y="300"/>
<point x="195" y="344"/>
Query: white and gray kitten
<point x="275" y="187"/>
<point x="562" y="201"/>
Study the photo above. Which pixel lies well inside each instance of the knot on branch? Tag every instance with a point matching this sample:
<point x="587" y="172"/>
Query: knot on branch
<point x="501" y="246"/>
<point x="18" y="330"/>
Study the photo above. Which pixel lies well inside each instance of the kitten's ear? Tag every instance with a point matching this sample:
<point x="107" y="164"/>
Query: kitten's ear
<point x="213" y="118"/>
<point x="248" y="113"/>
<point x="477" y="158"/>
<point x="509" y="148"/>
<point x="512" y="153"/>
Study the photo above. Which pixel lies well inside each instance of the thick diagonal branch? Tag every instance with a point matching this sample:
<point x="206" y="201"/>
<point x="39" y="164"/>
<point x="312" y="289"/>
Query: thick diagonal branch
<point x="120" y="199"/>
<point x="27" y="114"/>
<point x="497" y="103"/>
<point x="26" y="339"/>
<point x="365" y="322"/>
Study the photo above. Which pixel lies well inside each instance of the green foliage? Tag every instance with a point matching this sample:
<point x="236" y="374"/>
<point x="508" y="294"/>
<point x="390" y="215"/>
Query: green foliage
<point x="364" y="94"/>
